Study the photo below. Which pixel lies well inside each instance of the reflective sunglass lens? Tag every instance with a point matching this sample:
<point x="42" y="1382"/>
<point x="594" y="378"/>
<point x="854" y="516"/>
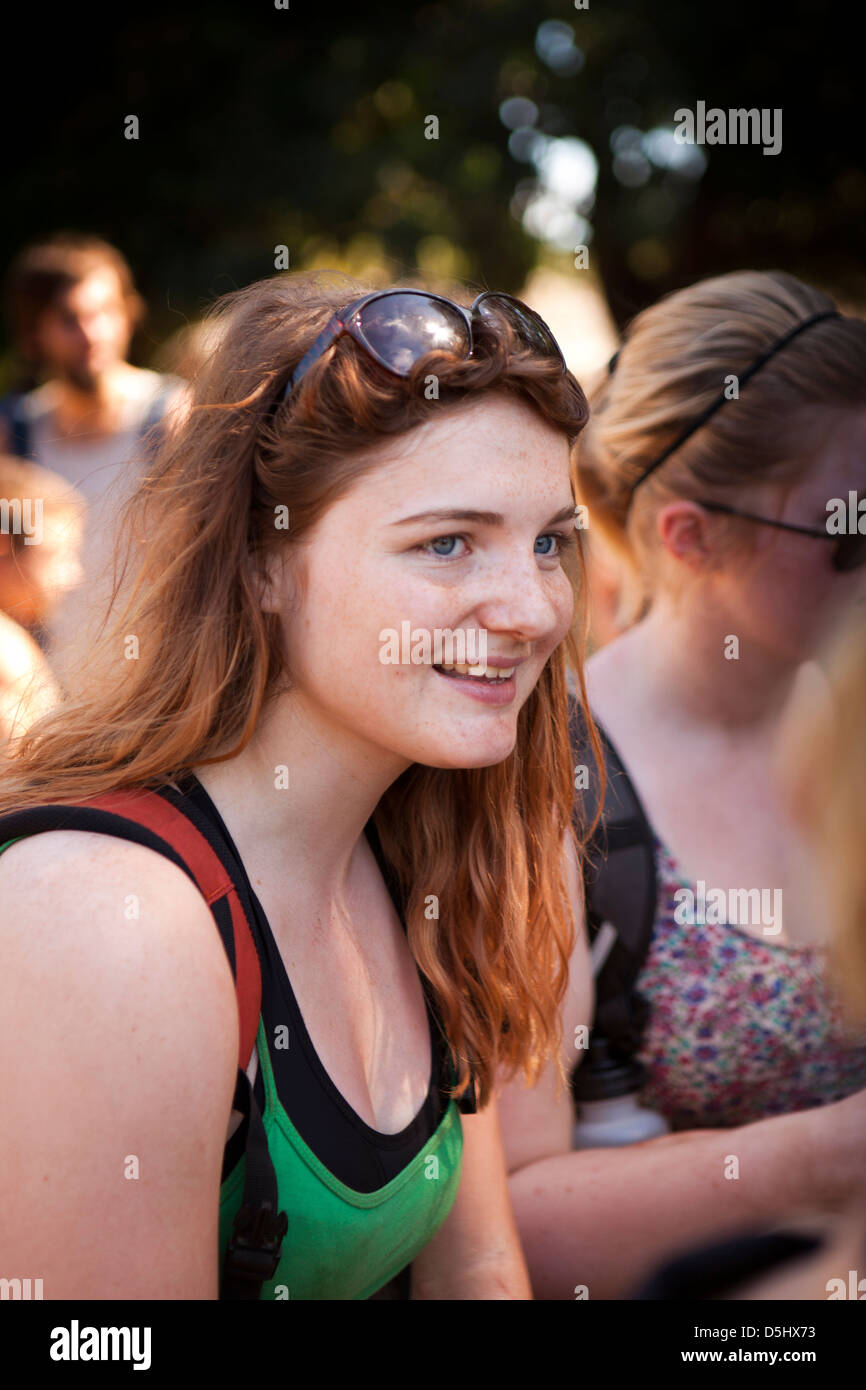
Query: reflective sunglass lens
<point x="529" y="328"/>
<point x="402" y="328"/>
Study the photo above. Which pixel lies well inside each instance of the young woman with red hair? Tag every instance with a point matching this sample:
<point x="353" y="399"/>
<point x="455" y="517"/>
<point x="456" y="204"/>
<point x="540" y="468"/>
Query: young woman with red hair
<point x="349" y="462"/>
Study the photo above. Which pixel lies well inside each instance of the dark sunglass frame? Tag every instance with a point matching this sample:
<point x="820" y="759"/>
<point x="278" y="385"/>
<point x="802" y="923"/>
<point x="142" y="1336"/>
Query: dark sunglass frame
<point x="850" y="551"/>
<point x="349" y="321"/>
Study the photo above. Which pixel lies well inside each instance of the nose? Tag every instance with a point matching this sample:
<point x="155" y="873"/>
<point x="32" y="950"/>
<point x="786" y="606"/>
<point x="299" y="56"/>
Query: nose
<point x="519" y="597"/>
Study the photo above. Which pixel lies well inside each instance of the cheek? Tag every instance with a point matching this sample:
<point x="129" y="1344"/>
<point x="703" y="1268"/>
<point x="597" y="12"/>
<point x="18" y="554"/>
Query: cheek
<point x="564" y="600"/>
<point x="336" y="627"/>
<point x="51" y="341"/>
<point x="386" y="596"/>
<point x="794" y="597"/>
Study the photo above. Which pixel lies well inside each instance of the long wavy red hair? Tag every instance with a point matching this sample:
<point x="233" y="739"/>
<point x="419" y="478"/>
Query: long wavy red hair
<point x="489" y="841"/>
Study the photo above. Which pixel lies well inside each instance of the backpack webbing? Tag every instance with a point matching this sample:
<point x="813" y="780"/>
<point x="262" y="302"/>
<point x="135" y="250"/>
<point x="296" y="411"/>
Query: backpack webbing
<point x="621" y="887"/>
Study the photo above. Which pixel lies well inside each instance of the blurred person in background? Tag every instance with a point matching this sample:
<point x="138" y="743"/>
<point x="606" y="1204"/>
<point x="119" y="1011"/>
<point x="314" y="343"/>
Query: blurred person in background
<point x="823" y="766"/>
<point x="822" y="773"/>
<point x="73" y="308"/>
<point x="41" y="521"/>
<point x="736" y="579"/>
<point x="612" y="602"/>
<point x="186" y="352"/>
<point x="606" y="581"/>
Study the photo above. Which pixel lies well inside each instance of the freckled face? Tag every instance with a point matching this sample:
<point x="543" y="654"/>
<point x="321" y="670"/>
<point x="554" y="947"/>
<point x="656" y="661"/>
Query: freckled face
<point x="377" y="560"/>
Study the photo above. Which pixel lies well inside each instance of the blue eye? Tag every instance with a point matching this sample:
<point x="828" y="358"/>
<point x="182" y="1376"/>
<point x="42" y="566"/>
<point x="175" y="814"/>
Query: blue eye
<point x="440" y="540"/>
<point x="564" y="541"/>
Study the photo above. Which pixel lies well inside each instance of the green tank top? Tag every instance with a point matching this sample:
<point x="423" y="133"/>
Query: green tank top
<point x="343" y="1244"/>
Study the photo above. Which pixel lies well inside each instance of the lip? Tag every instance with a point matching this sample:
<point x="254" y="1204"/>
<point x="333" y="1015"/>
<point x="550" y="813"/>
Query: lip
<point x="477" y="688"/>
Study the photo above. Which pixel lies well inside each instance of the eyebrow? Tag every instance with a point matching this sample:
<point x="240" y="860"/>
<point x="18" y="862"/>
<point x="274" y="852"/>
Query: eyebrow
<point x="481" y="518"/>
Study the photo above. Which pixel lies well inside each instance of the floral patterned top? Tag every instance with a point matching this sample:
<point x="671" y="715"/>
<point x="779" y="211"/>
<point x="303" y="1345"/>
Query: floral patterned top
<point x="741" y="1027"/>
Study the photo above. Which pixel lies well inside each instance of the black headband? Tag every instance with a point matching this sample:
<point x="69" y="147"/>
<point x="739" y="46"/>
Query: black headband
<point x="720" y="400"/>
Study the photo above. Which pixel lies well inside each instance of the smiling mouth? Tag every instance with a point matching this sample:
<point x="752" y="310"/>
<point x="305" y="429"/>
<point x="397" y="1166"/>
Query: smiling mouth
<point x="493" y="674"/>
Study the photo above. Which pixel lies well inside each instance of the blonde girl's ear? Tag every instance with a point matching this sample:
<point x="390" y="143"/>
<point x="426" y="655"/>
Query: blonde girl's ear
<point x="683" y="530"/>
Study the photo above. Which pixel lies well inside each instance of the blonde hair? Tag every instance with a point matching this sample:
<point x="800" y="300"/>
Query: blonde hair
<point x="831" y="804"/>
<point x="676" y="358"/>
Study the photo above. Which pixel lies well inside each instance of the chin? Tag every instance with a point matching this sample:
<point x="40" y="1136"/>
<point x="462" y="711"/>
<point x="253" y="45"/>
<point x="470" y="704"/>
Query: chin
<point x="796" y="648"/>
<point x="456" y="754"/>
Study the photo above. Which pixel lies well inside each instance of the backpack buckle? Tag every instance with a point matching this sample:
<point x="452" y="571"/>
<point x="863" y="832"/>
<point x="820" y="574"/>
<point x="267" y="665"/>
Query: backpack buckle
<point x="254" y="1248"/>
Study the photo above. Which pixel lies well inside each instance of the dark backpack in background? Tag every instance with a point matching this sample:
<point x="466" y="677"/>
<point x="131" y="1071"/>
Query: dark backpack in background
<point x="620" y="884"/>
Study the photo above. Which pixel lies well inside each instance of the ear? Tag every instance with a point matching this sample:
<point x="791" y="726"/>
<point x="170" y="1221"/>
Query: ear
<point x="684" y="531"/>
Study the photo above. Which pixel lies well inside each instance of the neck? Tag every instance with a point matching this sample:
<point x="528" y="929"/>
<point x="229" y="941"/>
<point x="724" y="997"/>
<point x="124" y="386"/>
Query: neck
<point x="305" y="832"/>
<point x="93" y="407"/>
<point x="688" y="679"/>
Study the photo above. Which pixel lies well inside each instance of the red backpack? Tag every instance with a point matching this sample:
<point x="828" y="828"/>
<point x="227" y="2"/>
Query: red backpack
<point x="172" y="825"/>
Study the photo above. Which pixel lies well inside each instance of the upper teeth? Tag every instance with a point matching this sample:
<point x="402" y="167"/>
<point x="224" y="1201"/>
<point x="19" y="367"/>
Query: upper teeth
<point x="490" y="672"/>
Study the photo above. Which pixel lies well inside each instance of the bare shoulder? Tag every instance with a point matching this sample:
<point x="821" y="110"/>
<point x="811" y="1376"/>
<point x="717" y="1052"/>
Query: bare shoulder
<point x="122" y="1022"/>
<point x="113" y="916"/>
<point x="83" y="894"/>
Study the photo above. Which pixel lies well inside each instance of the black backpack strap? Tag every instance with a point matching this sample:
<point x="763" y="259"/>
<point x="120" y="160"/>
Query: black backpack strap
<point x="17" y="427"/>
<point x="255" y="1245"/>
<point x="621" y="886"/>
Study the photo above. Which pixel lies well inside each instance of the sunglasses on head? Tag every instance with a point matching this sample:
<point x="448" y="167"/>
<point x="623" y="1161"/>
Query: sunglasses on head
<point x="399" y="327"/>
<point x="849" y="551"/>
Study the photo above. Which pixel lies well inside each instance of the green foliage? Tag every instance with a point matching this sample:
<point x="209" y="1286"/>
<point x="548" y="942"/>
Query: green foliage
<point x="305" y="127"/>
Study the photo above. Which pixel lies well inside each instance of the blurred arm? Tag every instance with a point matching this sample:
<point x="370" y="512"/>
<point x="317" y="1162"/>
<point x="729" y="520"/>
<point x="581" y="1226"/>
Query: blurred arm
<point x="604" y="1218"/>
